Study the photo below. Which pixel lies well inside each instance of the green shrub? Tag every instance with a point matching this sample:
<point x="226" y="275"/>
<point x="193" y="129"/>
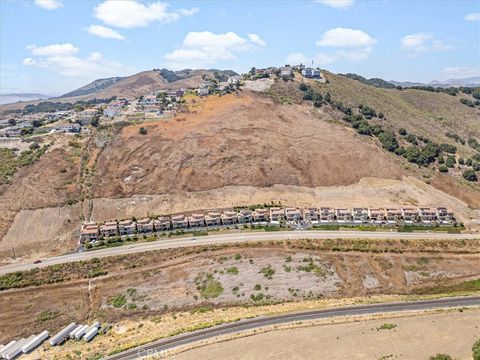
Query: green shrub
<point x="470" y="175"/>
<point x="117" y="301"/>
<point x="443" y="169"/>
<point x="476" y="350"/>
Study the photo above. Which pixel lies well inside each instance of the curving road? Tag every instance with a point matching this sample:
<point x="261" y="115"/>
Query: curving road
<point x="157" y="347"/>
<point x="230" y="238"/>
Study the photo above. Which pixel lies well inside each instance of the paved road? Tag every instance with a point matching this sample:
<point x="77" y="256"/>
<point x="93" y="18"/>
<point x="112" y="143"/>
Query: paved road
<point x="230" y="238"/>
<point x="156" y="348"/>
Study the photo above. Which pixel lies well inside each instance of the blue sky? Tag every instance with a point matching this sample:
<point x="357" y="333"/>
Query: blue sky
<point x="53" y="46"/>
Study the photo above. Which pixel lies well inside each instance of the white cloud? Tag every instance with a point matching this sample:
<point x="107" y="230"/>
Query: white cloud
<point x="343" y="37"/>
<point x="49" y="4"/>
<point x="336" y="4"/>
<point x="460" y="72"/>
<point x="339" y="44"/>
<point x="472" y="17"/>
<point x="28" y="61"/>
<point x="188" y="12"/>
<point x="62" y="59"/>
<point x="423" y="42"/>
<point x="105" y="32"/>
<point x="199" y="49"/>
<point x="132" y="14"/>
<point x="256" y="40"/>
<point x="315" y="60"/>
<point x="53" y="50"/>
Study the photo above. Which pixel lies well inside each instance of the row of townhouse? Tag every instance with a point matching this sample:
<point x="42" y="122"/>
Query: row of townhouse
<point x="92" y="232"/>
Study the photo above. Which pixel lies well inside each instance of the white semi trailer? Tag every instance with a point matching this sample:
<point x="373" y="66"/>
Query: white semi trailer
<point x="62" y="334"/>
<point x="74" y="331"/>
<point x="81" y="332"/>
<point x="6" y="348"/>
<point x="15" y="349"/>
<point x="91" y="334"/>
<point x="33" y="343"/>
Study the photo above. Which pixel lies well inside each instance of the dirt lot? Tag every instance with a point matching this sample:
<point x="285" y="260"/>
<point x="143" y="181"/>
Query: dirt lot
<point x="173" y="280"/>
<point x="413" y="338"/>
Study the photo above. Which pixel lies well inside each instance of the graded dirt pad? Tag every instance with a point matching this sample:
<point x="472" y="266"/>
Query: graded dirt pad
<point x="368" y="192"/>
<point x="413" y="338"/>
<point x="172" y="280"/>
<point x="237" y="140"/>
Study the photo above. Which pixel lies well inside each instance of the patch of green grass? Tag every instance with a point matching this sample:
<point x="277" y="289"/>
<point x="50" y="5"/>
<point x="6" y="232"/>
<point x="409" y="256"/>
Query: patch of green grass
<point x="237" y="257"/>
<point x="117" y="301"/>
<point x="387" y="326"/>
<point x="326" y="227"/>
<point x="131" y="292"/>
<point x="257" y="297"/>
<point x="200" y="233"/>
<point x="208" y="286"/>
<point x="257" y="287"/>
<point x="466" y="286"/>
<point x="8" y="165"/>
<point x="268" y="271"/>
<point x="312" y="267"/>
<point x="46" y="315"/>
<point x="232" y="270"/>
<point x="132" y="306"/>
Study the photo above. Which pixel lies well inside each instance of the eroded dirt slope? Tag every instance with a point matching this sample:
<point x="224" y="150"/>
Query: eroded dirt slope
<point x="237" y="140"/>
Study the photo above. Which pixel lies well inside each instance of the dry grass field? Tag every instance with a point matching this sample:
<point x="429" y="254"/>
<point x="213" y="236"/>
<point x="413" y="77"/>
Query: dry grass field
<point x="412" y="338"/>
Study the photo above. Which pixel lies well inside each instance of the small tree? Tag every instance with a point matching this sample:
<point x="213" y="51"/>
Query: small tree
<point x="440" y="357"/>
<point x="303" y="87"/>
<point x="450" y="162"/>
<point x="443" y="169"/>
<point x="12" y="122"/>
<point x="470" y="175"/>
<point x="142" y="131"/>
<point x="402" y="131"/>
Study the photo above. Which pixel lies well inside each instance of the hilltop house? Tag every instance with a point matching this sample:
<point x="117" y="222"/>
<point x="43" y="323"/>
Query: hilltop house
<point x="68" y="128"/>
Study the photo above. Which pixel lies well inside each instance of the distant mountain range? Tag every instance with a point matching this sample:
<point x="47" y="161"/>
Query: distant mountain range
<point x="12" y="98"/>
<point x="471" y="81"/>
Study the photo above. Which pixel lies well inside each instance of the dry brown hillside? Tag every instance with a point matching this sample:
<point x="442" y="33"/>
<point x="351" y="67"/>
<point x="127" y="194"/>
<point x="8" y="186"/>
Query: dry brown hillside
<point x="237" y="140"/>
<point x="142" y="83"/>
